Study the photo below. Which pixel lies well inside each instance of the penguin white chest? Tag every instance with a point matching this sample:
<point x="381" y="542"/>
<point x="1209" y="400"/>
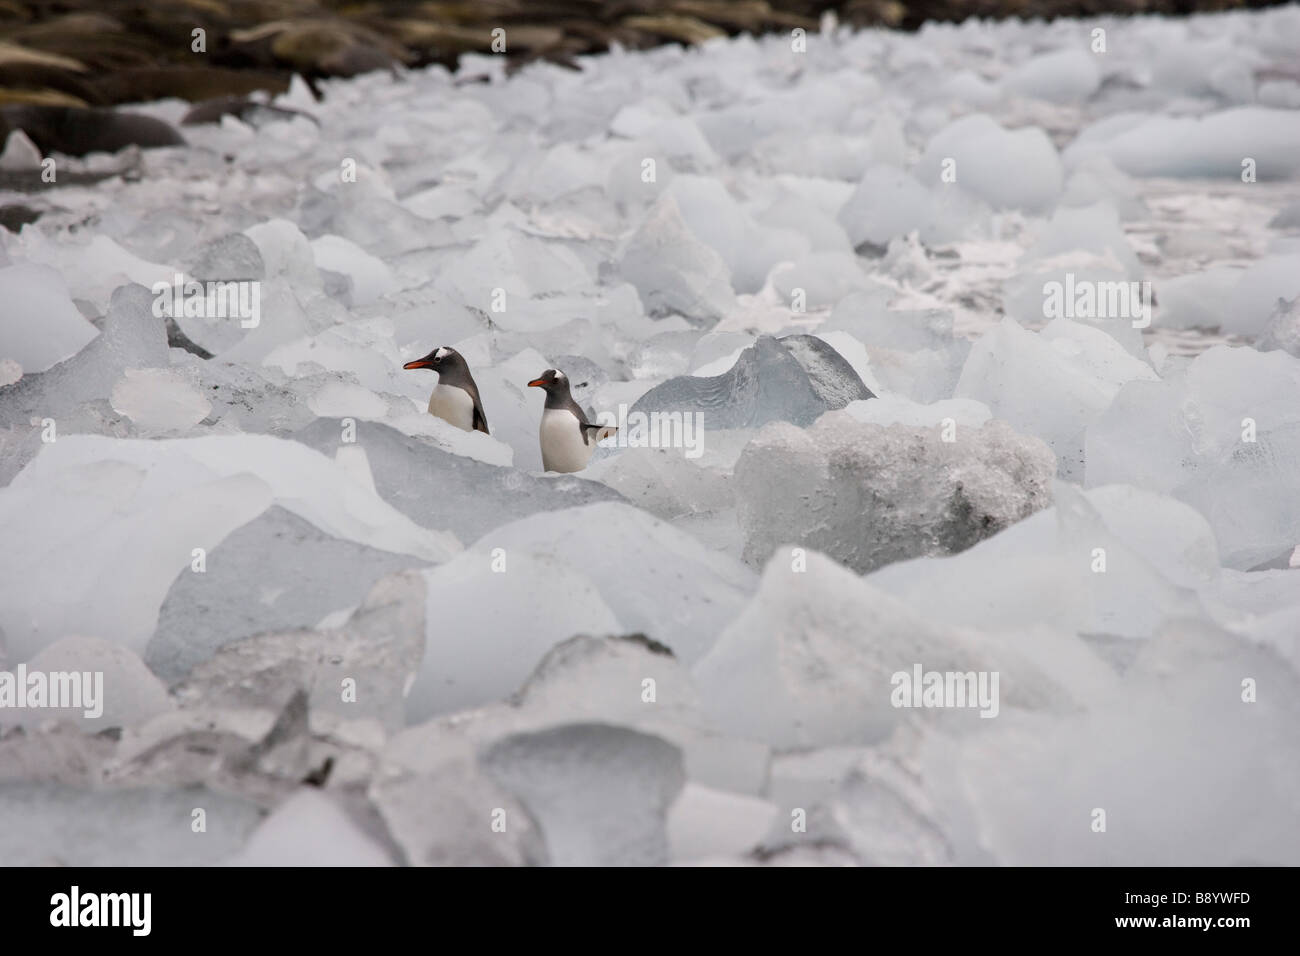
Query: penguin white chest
<point x="453" y="405"/>
<point x="562" y="446"/>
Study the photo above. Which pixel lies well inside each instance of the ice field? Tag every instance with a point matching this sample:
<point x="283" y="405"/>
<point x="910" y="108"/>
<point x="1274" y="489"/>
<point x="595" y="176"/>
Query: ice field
<point x="975" y="350"/>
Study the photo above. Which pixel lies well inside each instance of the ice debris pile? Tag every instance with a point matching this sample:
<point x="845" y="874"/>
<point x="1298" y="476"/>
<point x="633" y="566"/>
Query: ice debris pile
<point x="971" y="352"/>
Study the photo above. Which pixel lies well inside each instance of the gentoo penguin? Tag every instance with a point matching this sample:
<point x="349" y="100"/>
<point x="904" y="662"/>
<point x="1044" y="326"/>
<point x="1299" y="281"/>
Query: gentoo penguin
<point x="455" y="397"/>
<point x="567" y="438"/>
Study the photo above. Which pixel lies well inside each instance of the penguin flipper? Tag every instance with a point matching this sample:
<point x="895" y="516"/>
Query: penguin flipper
<point x="597" y="433"/>
<point x="479" y="419"/>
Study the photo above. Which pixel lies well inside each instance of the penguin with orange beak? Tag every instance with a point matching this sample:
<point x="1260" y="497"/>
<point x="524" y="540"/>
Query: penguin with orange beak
<point x="567" y="438"/>
<point x="455" y="397"/>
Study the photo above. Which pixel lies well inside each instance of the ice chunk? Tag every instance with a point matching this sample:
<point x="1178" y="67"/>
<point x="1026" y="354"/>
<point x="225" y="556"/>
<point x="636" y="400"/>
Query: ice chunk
<point x="707" y="823"/>
<point x="20" y="153"/>
<point x="855" y="353"/>
<point x="1135" y="750"/>
<point x="116" y="689"/>
<point x="1008" y="169"/>
<point x="793" y="669"/>
<point x="275" y="573"/>
<point x="132" y="826"/>
<point x="1051" y="384"/>
<point x="159" y="400"/>
<point x="454" y="835"/>
<point x="1225" y="439"/>
<point x="822" y="278"/>
<point x="311" y="828"/>
<point x="355" y="672"/>
<point x="520" y="265"/>
<point x="438" y="489"/>
<point x="1062" y="76"/>
<point x="600" y="794"/>
<point x="869" y="495"/>
<point x="685" y="593"/>
<point x="868" y="319"/>
<point x="1283" y="328"/>
<point x="229" y="258"/>
<point x="93" y="270"/>
<point x="371" y="278"/>
<point x="897" y="410"/>
<point x="1211" y="145"/>
<point x="793" y="213"/>
<point x="1092" y="229"/>
<point x="714" y="217"/>
<point x="133" y="337"/>
<point x="1096" y="179"/>
<point x="1254" y="297"/>
<point x="673" y="271"/>
<point x="793" y="379"/>
<point x="284" y="252"/>
<point x="1199" y="300"/>
<point x="1288" y="217"/>
<point x="887" y="203"/>
<point x="491" y="618"/>
<point x="152" y="504"/>
<point x="1118" y="561"/>
<point x="41" y="326"/>
<point x="665" y="482"/>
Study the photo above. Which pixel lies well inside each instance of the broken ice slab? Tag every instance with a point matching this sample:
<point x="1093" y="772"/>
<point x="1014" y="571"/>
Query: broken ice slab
<point x="67" y="826"/>
<point x="159" y="508"/>
<point x="793" y="379"/>
<point x="438" y="489"/>
<point x="599" y="793"/>
<point x="870" y="494"/>
<point x="685" y="591"/>
<point x="276" y="573"/>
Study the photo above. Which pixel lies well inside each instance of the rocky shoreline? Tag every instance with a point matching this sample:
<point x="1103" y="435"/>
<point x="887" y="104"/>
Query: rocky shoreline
<point x="87" y="53"/>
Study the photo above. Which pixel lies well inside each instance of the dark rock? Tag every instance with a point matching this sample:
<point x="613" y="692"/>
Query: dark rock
<point x="14" y="217"/>
<point x="76" y="132"/>
<point x="242" y="108"/>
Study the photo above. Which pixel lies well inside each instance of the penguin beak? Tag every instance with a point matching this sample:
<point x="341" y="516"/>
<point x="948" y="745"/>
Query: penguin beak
<point x="419" y="363"/>
<point x="537" y="382"/>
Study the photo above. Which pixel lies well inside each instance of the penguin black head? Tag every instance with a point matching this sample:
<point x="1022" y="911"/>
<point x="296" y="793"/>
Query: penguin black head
<point x="552" y="380"/>
<point x="439" y="359"/>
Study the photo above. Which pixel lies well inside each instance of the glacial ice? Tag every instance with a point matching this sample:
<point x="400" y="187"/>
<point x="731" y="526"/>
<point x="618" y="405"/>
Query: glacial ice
<point x="1224" y="437"/>
<point x="152" y="504"/>
<point x="1008" y="169"/>
<point x="276" y="572"/>
<point x="870" y="495"/>
<point x="310" y="829"/>
<point x="687" y="592"/>
<point x="1014" y="371"/>
<point x="795" y="379"/>
<point x="41" y="325"/>
<point x="68" y="826"/>
<point x="1210" y="145"/>
<point x="490" y="619"/>
<point x="838" y="262"/>
<point x="599" y="793"/>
